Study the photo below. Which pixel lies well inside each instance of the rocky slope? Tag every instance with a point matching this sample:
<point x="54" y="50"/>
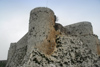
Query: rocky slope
<point x="49" y="44"/>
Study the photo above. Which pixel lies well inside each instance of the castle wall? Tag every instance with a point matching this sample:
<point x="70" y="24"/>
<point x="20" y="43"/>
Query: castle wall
<point x="84" y="31"/>
<point x="41" y="30"/>
<point x="22" y="42"/>
<point x="49" y="44"/>
<point x="80" y="28"/>
<point x="17" y="51"/>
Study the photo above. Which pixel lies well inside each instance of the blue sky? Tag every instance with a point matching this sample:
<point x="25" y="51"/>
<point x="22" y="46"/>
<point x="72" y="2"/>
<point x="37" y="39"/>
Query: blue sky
<point x="14" y="17"/>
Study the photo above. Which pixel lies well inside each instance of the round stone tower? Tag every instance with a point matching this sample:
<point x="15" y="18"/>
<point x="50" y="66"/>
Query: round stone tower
<point x="41" y="30"/>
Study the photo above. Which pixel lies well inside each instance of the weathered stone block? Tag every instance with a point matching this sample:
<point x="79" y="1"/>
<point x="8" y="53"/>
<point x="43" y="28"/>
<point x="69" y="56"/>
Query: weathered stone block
<point x="17" y="51"/>
<point x="84" y="31"/>
<point x="98" y="47"/>
<point x="81" y="28"/>
<point x="91" y="41"/>
<point x="12" y="50"/>
<point x="22" y="42"/>
<point x="60" y="28"/>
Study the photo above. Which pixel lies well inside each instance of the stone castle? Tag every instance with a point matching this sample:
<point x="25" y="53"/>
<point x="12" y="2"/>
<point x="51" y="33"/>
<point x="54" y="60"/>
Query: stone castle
<point x="49" y="44"/>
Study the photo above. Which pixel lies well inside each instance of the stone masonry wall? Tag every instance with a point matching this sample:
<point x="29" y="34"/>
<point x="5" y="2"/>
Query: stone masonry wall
<point x="41" y="30"/>
<point x="80" y="28"/>
<point x="17" y="52"/>
<point x="49" y="44"/>
<point x="84" y="31"/>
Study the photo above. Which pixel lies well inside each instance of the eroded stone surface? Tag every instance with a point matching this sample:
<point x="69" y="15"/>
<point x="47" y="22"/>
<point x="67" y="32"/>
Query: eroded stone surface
<point x="84" y="31"/>
<point x="41" y="30"/>
<point x="17" y="52"/>
<point x="70" y="52"/>
<point x="49" y="44"/>
<point x="60" y="28"/>
<point x="81" y="28"/>
<point x="91" y="41"/>
<point x="98" y="47"/>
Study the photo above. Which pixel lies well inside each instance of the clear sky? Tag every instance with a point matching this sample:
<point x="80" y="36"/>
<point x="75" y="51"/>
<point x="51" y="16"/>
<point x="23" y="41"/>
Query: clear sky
<point x="14" y="17"/>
